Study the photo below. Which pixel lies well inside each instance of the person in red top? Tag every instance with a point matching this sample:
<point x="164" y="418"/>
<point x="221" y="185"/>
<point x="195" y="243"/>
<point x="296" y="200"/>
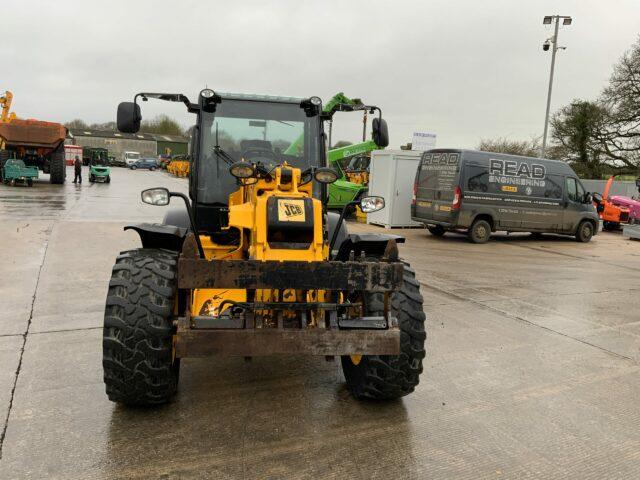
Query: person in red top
<point x="78" y="170"/>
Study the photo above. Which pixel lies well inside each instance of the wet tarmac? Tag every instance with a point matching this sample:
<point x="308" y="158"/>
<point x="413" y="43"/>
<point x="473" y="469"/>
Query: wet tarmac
<point x="532" y="369"/>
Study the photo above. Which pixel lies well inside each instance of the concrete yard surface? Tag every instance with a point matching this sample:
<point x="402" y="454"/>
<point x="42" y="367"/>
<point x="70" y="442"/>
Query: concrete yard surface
<point x="532" y="368"/>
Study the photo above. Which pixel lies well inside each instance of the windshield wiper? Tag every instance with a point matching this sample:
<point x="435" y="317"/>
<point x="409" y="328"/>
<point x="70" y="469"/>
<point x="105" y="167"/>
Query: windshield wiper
<point x="219" y="151"/>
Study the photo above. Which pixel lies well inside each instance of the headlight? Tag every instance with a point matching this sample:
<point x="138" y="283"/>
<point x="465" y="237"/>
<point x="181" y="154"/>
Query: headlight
<point x="371" y="204"/>
<point x="155" y="196"/>
<point x="325" y="175"/>
<point x="207" y="93"/>
<point x="242" y="170"/>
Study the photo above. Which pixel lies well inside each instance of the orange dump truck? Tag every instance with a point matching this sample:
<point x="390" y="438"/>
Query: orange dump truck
<point x="37" y="143"/>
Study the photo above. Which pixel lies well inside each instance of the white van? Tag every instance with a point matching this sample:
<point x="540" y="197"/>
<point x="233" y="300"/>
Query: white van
<point x="130" y="158"/>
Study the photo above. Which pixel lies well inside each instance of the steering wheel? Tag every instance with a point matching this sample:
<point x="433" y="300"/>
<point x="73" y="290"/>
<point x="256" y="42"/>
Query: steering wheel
<point x="257" y="154"/>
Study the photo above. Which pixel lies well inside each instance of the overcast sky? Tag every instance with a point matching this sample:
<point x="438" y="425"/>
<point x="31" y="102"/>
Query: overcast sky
<point x="464" y="70"/>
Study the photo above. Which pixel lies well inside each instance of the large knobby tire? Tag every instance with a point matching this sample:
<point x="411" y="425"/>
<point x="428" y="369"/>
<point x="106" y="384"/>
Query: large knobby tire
<point x="585" y="231"/>
<point x="385" y="377"/>
<point x="480" y="231"/>
<point x="138" y="359"/>
<point x="436" y="230"/>
<point x="57" y="167"/>
<point x="610" y="226"/>
<point x="4" y="156"/>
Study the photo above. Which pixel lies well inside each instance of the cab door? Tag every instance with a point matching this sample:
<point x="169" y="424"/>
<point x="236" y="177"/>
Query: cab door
<point x="573" y="204"/>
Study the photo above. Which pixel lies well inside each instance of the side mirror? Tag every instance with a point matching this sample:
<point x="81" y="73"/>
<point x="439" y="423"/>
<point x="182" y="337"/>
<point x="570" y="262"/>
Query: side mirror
<point x="371" y="204"/>
<point x="129" y="117"/>
<point x="156" y="196"/>
<point x="380" y="132"/>
<point x="588" y="198"/>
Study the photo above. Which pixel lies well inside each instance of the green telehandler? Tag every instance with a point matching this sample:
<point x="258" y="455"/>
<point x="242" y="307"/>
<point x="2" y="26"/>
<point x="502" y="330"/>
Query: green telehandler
<point x="351" y="161"/>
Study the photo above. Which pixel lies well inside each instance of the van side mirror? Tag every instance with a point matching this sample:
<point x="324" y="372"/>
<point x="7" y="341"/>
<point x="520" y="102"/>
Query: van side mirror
<point x="588" y="198"/>
<point x="380" y="132"/>
<point x="129" y="117"/>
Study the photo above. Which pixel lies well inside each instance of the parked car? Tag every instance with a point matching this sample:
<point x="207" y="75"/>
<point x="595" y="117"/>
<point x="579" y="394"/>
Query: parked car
<point x="147" y="162"/>
<point x="482" y="192"/>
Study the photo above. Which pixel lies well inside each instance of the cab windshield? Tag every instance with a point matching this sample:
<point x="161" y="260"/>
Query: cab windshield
<point x="265" y="132"/>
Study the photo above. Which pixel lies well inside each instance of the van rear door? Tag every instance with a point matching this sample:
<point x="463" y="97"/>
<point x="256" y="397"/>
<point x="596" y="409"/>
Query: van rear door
<point x="437" y="180"/>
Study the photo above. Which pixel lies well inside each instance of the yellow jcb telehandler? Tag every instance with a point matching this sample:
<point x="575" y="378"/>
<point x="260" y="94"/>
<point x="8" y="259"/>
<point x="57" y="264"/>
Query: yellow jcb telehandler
<point x="254" y="265"/>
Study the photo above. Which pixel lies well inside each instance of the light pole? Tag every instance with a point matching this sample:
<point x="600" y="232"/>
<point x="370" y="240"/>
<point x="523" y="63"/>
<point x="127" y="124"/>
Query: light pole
<point x="566" y="20"/>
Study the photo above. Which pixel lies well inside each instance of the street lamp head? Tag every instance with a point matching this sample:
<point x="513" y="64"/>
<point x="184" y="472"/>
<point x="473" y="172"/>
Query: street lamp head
<point x="567" y="21"/>
<point x="545" y="45"/>
<point x="547" y="20"/>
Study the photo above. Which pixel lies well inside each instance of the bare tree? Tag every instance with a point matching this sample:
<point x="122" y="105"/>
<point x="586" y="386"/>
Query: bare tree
<point x="77" y="123"/>
<point x="527" y="148"/>
<point x="162" y="124"/>
<point x="340" y="144"/>
<point x="619" y="133"/>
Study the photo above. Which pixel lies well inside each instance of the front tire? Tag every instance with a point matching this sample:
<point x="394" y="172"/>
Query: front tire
<point x="4" y="156"/>
<point x="385" y="377"/>
<point x="138" y="360"/>
<point x="585" y="231"/>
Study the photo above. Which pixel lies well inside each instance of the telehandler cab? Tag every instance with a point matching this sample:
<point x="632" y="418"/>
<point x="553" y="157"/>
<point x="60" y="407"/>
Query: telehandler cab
<point x="254" y="265"/>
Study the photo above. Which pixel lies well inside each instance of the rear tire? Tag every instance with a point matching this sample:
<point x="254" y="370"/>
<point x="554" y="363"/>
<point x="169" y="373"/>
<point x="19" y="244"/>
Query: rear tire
<point x="57" y="167"/>
<point x="385" y="377"/>
<point x="108" y="178"/>
<point x="138" y="358"/>
<point x="4" y="156"/>
<point x="436" y="230"/>
<point x="152" y="168"/>
<point x="610" y="226"/>
<point x="585" y="231"/>
<point x="480" y="231"/>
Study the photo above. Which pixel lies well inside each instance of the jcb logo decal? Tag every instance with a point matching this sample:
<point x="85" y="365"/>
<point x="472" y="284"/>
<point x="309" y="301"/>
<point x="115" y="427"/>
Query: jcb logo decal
<point x="291" y="211"/>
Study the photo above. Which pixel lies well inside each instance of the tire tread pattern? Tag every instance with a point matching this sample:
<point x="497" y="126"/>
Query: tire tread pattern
<point x="138" y="330"/>
<point x="385" y="377"/>
<point x="57" y="167"/>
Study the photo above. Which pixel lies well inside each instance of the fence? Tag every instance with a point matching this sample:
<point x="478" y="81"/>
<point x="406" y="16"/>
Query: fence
<point x="626" y="188"/>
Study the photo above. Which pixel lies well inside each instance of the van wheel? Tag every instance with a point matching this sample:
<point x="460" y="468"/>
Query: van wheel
<point x="585" y="231"/>
<point x="436" y="230"/>
<point x="480" y="231"/>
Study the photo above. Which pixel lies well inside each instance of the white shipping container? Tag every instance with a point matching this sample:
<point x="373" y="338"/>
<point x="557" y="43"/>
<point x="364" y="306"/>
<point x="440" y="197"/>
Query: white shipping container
<point x="391" y="175"/>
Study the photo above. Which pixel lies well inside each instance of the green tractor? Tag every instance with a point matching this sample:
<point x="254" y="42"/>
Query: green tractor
<point x="99" y="170"/>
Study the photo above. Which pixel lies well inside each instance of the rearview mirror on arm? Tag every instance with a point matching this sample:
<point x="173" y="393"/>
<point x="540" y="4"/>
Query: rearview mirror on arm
<point x="156" y="196"/>
<point x="129" y="117"/>
<point x="380" y="132"/>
